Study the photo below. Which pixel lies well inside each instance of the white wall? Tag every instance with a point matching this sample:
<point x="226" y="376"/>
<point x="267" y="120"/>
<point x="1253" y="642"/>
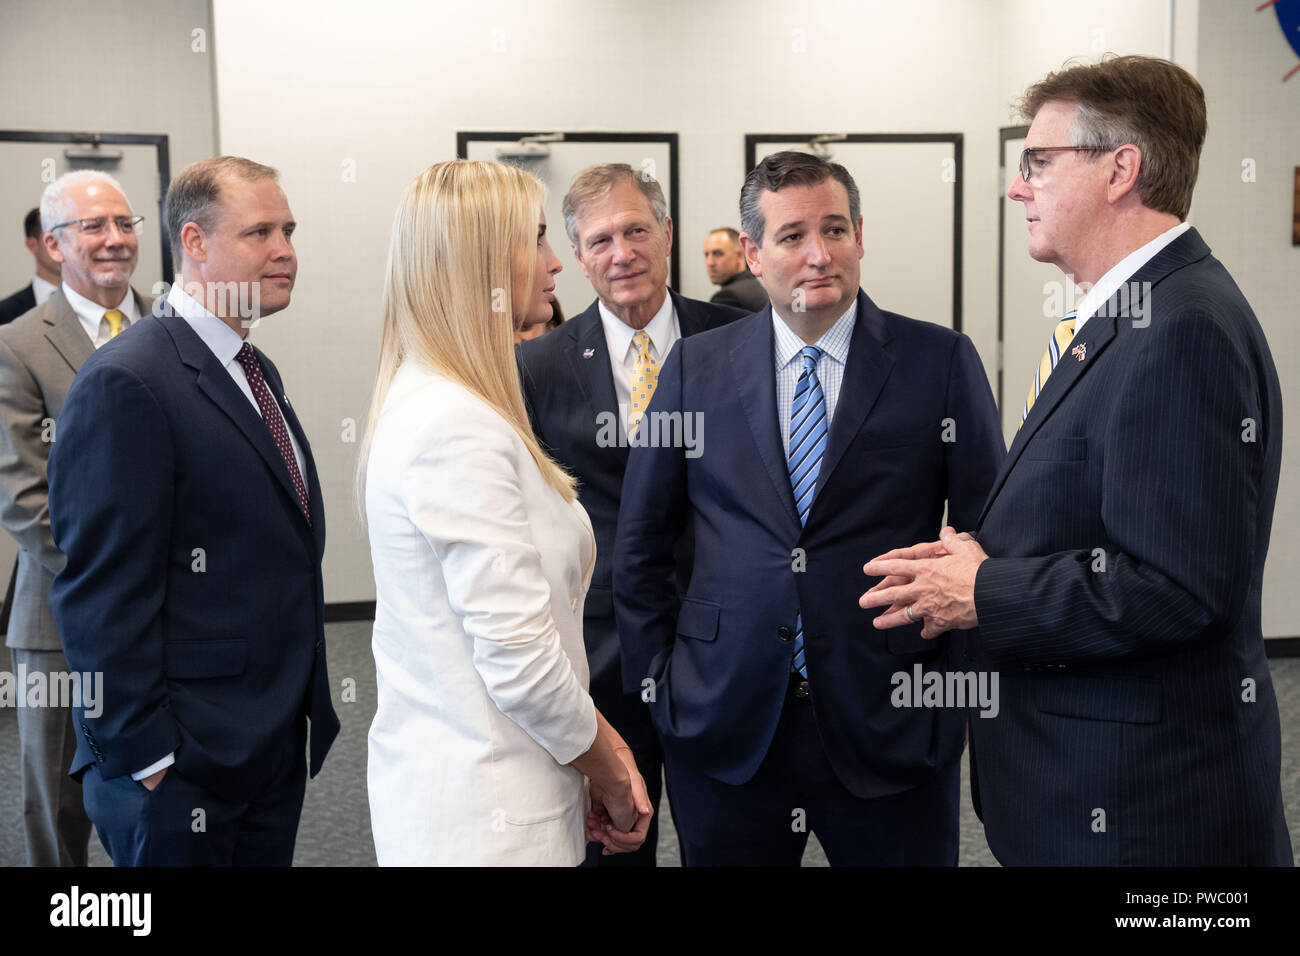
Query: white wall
<point x="1038" y="36"/>
<point x="306" y="85"/>
<point x="1253" y="115"/>
<point x="312" y="87"/>
<point x="111" y="66"/>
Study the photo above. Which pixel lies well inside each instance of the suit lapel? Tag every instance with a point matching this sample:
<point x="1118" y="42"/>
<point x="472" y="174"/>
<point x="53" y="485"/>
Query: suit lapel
<point x="588" y="356"/>
<point x="314" y="499"/>
<point x="753" y="365"/>
<point x="866" y="368"/>
<point x="690" y="317"/>
<point x="215" y="382"/>
<point x="1085" y="349"/>
<point x="66" y="333"/>
<point x="68" y="336"/>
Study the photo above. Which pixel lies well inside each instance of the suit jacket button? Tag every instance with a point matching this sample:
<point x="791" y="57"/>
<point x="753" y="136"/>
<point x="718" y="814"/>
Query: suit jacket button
<point x="320" y="645"/>
<point x="785" y="633"/>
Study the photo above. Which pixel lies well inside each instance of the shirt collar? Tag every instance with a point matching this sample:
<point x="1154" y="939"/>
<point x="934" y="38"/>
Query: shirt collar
<point x="92" y="313"/>
<point x="619" y="334"/>
<point x="43" y="290"/>
<point x="223" y="341"/>
<point x="834" y="341"/>
<point x="1124" y="270"/>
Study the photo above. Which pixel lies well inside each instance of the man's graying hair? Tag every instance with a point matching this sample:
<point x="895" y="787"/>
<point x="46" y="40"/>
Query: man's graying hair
<point x="790" y="168"/>
<point x="57" y="208"/>
<point x="595" y="182"/>
<point x="197" y="189"/>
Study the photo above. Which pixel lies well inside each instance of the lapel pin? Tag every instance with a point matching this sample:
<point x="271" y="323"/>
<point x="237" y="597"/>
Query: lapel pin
<point x="1080" y="351"/>
<point x="588" y="353"/>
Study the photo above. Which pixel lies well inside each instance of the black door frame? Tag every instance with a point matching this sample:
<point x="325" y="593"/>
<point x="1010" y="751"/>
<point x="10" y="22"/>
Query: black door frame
<point x="158" y="141"/>
<point x="463" y="139"/>
<point x="955" y="139"/>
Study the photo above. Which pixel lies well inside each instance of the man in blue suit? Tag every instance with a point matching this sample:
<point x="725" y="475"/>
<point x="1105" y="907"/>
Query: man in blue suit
<point x="822" y="426"/>
<point x="1115" y="572"/>
<point x="183" y="492"/>
<point x="578" y="385"/>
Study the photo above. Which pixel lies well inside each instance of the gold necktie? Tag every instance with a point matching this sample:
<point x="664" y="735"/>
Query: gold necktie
<point x="1060" y="339"/>
<point x="645" y="376"/>
<point x="114" y="319"/>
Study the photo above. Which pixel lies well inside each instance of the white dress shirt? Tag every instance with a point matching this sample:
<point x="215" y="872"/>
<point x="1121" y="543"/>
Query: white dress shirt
<point x="1121" y="272"/>
<point x="225" y="343"/>
<point x="42" y="289"/>
<point x="830" y="366"/>
<point x="664" y="331"/>
<point x="92" y="318"/>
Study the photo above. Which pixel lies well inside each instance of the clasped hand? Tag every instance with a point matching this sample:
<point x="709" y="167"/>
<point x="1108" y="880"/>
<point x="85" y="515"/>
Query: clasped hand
<point x="935" y="580"/>
<point x="619" y="817"/>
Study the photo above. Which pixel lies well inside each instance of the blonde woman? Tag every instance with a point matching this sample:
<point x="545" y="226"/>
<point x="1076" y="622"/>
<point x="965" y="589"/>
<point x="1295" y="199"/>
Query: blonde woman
<point x="484" y="729"/>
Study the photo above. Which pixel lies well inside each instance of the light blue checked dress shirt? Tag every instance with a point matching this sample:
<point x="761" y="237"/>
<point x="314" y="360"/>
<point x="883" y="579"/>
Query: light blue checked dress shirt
<point x="830" y="367"/>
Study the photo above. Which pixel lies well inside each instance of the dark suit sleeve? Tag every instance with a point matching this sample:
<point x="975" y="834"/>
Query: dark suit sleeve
<point x="111" y="489"/>
<point x="724" y="296"/>
<point x="1179" y="496"/>
<point x="976" y="454"/>
<point x="651" y="517"/>
<point x="530" y="394"/>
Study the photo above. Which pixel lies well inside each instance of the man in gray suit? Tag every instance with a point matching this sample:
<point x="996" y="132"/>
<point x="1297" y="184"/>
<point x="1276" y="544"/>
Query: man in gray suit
<point x="90" y="229"/>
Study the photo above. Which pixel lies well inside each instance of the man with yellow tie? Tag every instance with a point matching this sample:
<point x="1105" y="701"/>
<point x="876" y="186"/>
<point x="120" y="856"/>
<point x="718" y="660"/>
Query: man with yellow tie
<point x="1116" y="570"/>
<point x="88" y="226"/>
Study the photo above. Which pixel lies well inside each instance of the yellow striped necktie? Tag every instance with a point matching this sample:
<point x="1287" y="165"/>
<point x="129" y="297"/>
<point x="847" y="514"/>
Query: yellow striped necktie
<point x="1060" y="339"/>
<point x="645" y="376"/>
<point x="114" y="319"/>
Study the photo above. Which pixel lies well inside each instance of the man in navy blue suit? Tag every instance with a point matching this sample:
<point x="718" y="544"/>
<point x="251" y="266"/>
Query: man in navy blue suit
<point x="44" y="282"/>
<point x="1115" y="573"/>
<point x="578" y="385"/>
<point x="183" y="492"/>
<point x="822" y="427"/>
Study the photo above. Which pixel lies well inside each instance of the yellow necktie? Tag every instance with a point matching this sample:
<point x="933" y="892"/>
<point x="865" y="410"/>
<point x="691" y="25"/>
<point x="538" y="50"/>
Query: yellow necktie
<point x="645" y="376"/>
<point x="114" y="319"/>
<point x="1060" y="339"/>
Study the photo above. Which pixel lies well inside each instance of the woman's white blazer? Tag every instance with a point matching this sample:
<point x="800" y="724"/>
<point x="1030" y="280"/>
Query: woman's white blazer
<point x="480" y="568"/>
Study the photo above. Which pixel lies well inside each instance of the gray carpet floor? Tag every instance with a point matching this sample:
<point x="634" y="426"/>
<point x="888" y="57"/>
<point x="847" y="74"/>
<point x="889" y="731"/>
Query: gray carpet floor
<point x="335" y="828"/>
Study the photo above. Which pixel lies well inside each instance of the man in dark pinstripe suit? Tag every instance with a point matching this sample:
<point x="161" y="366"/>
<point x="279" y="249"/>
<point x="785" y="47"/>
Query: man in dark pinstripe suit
<point x="1116" y="579"/>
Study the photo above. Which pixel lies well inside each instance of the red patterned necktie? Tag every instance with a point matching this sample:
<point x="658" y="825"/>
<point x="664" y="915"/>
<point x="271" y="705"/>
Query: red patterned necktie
<point x="274" y="422"/>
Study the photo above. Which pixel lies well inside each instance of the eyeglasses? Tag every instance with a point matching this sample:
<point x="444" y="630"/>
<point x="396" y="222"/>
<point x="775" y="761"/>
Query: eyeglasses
<point x="97" y="226"/>
<point x="1024" y="156"/>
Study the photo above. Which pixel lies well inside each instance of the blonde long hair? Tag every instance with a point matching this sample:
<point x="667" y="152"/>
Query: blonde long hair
<point x="462" y="231"/>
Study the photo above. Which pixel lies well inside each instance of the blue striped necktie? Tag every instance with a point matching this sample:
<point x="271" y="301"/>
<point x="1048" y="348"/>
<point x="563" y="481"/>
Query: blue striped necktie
<point x="807" y="445"/>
